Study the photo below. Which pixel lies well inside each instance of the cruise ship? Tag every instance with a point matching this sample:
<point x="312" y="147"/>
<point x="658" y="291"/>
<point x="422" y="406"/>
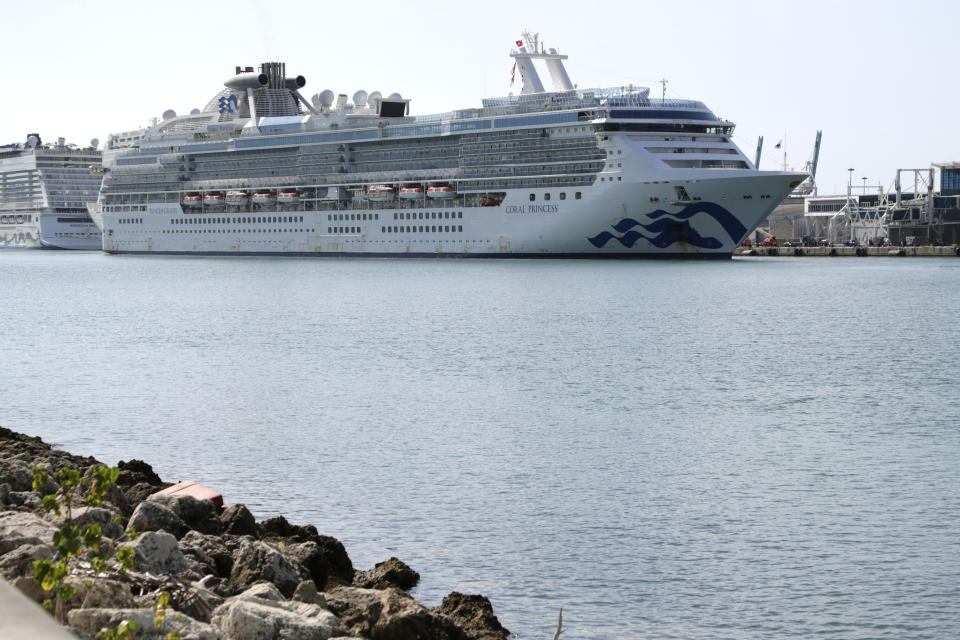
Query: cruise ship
<point x="44" y="193"/>
<point x="570" y="172"/>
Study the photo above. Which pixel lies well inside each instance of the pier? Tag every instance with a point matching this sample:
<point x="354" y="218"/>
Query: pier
<point x="925" y="251"/>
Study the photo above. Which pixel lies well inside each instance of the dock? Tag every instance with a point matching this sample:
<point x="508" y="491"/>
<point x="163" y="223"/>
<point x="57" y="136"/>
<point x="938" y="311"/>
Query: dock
<point x="852" y="252"/>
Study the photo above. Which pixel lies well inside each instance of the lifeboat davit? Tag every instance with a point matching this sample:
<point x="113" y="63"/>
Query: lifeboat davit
<point x="237" y="198"/>
<point x="288" y="197"/>
<point x="381" y="193"/>
<point x="411" y="193"/>
<point x="192" y="200"/>
<point x="264" y="198"/>
<point x="441" y="192"/>
<point x="214" y="200"/>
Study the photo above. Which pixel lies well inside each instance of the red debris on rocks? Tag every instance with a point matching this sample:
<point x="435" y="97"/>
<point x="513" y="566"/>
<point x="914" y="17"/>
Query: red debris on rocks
<point x="195" y="489"/>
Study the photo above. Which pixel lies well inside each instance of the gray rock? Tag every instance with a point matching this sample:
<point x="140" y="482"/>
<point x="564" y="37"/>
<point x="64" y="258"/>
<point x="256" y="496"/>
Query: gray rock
<point x="474" y="614"/>
<point x="17" y="473"/>
<point x="307" y="592"/>
<point x="99" y="515"/>
<point x="211" y="551"/>
<point x="18" y="528"/>
<point x="157" y="552"/>
<point x="390" y="573"/>
<point x="90" y="621"/>
<point x="264" y="591"/>
<point x="153" y="516"/>
<point x="258" y="619"/>
<point x="238" y="520"/>
<point x="138" y="493"/>
<point x="27" y="499"/>
<point x="255" y="561"/>
<point x="19" y="561"/>
<point x="389" y="614"/>
<point x="199" y="515"/>
<point x="102" y="592"/>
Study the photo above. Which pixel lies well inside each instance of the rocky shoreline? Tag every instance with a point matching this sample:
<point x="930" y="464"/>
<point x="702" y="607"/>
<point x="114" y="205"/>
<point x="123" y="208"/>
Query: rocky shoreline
<point x="228" y="576"/>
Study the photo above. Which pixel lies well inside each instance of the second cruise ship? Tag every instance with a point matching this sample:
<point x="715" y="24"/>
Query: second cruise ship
<point x="562" y="173"/>
<point x="44" y="193"/>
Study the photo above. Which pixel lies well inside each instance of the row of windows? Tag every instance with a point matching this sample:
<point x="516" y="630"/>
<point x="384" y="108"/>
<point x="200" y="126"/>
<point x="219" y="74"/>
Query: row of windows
<point x="354" y="216"/>
<point x="257" y="220"/>
<point x="424" y="229"/>
<point x="563" y="196"/>
<point x="234" y="231"/>
<point x="427" y="215"/>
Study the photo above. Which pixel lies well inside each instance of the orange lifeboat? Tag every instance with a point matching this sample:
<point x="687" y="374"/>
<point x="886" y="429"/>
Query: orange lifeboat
<point x="381" y="193"/>
<point x="441" y="192"/>
<point x="214" y="200"/>
<point x="264" y="198"/>
<point x="237" y="198"/>
<point x="192" y="200"/>
<point x="288" y="197"/>
<point x="411" y="193"/>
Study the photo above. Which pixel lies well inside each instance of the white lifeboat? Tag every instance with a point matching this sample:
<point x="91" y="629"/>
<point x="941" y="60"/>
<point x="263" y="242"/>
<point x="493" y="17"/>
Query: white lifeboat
<point x="411" y="193"/>
<point x="288" y="197"/>
<point x="237" y="198"/>
<point x="264" y="198"/>
<point x="214" y="200"/>
<point x="192" y="200"/>
<point x="381" y="193"/>
<point x="441" y="192"/>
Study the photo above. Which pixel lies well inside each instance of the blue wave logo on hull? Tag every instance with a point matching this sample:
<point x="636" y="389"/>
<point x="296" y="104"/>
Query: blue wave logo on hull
<point x="669" y="228"/>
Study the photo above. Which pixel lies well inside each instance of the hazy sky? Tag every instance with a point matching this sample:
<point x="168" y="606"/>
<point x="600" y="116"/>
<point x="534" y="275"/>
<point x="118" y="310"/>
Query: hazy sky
<point x="878" y="77"/>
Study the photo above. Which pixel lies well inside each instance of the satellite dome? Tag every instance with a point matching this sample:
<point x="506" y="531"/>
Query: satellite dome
<point x="169" y="113"/>
<point x="33" y="140"/>
<point x="376" y="96"/>
<point x="360" y="98"/>
<point x="94" y="143"/>
<point x="395" y="96"/>
<point x="194" y="112"/>
<point x="326" y="97"/>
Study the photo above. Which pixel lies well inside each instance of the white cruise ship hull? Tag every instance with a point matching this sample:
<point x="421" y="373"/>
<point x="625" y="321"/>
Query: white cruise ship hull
<point x="69" y="231"/>
<point x="20" y="236"/>
<point x="609" y="220"/>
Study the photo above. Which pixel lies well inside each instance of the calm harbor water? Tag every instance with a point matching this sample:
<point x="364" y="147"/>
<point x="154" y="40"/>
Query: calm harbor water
<point x="765" y="448"/>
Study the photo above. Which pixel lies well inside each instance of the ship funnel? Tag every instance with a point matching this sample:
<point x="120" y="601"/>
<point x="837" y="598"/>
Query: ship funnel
<point x="247" y="80"/>
<point x="294" y="83"/>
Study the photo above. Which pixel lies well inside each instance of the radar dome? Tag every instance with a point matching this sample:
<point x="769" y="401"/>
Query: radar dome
<point x="194" y="112"/>
<point x="33" y="141"/>
<point x="169" y="113"/>
<point x="360" y="98"/>
<point x="376" y="96"/>
<point x="94" y="143"/>
<point x="326" y="97"/>
<point x="395" y="96"/>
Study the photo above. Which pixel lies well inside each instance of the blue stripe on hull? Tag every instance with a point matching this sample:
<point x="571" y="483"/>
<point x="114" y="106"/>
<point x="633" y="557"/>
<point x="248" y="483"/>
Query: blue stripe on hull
<point x="346" y="254"/>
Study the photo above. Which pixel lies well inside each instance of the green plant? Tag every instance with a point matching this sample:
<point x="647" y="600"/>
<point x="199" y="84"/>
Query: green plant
<point x="70" y="540"/>
<point x="124" y="631"/>
<point x="160" y="616"/>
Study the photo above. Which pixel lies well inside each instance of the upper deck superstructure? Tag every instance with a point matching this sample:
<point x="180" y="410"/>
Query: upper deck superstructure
<point x="44" y="192"/>
<point x="599" y="172"/>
